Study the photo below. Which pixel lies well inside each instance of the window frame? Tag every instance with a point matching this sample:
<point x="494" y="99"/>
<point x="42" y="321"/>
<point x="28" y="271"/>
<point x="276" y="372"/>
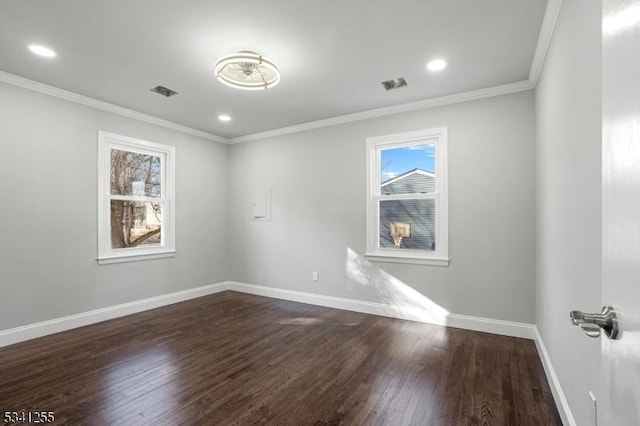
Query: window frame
<point x="374" y="146"/>
<point x="106" y="254"/>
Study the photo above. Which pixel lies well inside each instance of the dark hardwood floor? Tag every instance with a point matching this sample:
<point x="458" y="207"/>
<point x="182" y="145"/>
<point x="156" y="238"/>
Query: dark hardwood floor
<point x="233" y="358"/>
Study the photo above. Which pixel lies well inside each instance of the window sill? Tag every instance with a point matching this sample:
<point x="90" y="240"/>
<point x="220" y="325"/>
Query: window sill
<point x="431" y="261"/>
<point x="107" y="260"/>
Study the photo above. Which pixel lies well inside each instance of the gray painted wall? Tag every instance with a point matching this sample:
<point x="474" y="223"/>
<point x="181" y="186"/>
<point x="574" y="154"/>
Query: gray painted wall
<point x="568" y="157"/>
<point x="317" y="180"/>
<point x="48" y="234"/>
<point x="48" y="227"/>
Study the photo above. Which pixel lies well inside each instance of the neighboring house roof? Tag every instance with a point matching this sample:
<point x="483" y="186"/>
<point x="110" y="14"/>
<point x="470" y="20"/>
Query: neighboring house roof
<point x="410" y="182"/>
<point x="408" y="173"/>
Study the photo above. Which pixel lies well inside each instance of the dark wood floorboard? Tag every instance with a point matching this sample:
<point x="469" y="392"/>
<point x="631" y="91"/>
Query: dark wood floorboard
<point x="238" y="359"/>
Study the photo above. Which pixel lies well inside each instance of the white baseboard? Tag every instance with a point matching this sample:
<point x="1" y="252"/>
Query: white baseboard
<point x="31" y="331"/>
<point x="490" y="325"/>
<point x="505" y="328"/>
<point x="554" y="382"/>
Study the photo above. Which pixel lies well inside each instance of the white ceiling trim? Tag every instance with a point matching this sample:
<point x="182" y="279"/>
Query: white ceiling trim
<point x="544" y="39"/>
<point x="542" y="47"/>
<point x="104" y="106"/>
<point x="472" y="95"/>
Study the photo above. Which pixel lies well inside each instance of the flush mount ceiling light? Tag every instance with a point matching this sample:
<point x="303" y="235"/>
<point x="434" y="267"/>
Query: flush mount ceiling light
<point x="247" y="71"/>
<point x="437" y="65"/>
<point x="224" y="117"/>
<point x="42" y="51"/>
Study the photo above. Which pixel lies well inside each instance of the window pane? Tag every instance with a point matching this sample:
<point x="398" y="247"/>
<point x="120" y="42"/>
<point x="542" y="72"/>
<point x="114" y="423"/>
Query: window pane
<point x="408" y="169"/>
<point x="135" y="174"/>
<point x="135" y="224"/>
<point x="408" y="224"/>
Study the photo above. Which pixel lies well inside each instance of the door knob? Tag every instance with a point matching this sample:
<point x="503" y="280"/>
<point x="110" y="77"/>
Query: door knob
<point x="592" y="324"/>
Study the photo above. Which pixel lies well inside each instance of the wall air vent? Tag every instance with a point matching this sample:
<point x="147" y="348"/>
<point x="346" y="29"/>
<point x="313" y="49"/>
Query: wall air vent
<point x="161" y="90"/>
<point x="394" y="84"/>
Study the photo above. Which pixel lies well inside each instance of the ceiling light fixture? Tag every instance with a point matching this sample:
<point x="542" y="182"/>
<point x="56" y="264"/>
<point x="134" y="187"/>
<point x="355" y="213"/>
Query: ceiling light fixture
<point x="42" y="51"/>
<point x="437" y="65"/>
<point x="224" y="117"/>
<point x="247" y="71"/>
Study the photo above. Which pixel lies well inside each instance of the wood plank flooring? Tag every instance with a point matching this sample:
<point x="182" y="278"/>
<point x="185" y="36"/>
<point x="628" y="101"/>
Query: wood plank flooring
<point x="238" y="359"/>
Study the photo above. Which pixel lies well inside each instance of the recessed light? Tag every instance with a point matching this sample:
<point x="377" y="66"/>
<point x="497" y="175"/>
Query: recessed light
<point x="224" y="117"/>
<point x="42" y="51"/>
<point x="437" y="65"/>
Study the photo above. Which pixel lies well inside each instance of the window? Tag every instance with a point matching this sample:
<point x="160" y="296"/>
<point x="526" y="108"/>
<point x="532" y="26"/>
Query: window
<point x="135" y="199"/>
<point x="407" y="197"/>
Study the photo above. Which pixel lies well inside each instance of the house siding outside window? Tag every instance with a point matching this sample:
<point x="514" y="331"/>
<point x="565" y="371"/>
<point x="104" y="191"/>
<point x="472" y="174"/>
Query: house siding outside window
<point x="407" y="199"/>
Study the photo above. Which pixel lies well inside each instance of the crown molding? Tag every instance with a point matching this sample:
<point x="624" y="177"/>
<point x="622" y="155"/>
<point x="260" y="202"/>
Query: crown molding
<point x="472" y="95"/>
<point x="104" y="106"/>
<point x="544" y="39"/>
<point x="542" y="47"/>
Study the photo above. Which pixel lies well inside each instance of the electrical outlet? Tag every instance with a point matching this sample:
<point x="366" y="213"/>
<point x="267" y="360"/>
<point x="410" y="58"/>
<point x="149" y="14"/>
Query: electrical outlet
<point x="593" y="409"/>
<point x="315" y="276"/>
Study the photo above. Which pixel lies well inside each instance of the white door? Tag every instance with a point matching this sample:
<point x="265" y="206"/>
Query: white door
<point x="619" y="401"/>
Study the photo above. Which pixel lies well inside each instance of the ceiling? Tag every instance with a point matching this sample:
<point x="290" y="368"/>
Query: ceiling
<point x="333" y="54"/>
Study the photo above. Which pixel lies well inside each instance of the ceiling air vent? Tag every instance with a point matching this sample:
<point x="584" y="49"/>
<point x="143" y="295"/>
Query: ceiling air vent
<point x="161" y="90"/>
<point x="394" y="84"/>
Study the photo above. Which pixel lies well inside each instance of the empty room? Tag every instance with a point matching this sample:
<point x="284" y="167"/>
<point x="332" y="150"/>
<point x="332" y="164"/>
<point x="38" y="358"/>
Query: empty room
<point x="420" y="212"/>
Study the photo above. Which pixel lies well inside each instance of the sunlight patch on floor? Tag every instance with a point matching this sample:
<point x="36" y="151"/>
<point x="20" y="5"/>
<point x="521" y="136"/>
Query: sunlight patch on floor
<point x="301" y="321"/>
<point x="402" y="300"/>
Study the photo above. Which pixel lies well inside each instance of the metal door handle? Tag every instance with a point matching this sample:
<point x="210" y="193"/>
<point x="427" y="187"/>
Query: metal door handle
<point x="591" y="324"/>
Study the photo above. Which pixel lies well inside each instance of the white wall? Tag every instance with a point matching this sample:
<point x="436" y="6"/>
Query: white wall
<point x="48" y="211"/>
<point x="568" y="158"/>
<point x="318" y="211"/>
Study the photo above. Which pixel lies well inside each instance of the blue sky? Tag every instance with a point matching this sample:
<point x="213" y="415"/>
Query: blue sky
<point x="396" y="161"/>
